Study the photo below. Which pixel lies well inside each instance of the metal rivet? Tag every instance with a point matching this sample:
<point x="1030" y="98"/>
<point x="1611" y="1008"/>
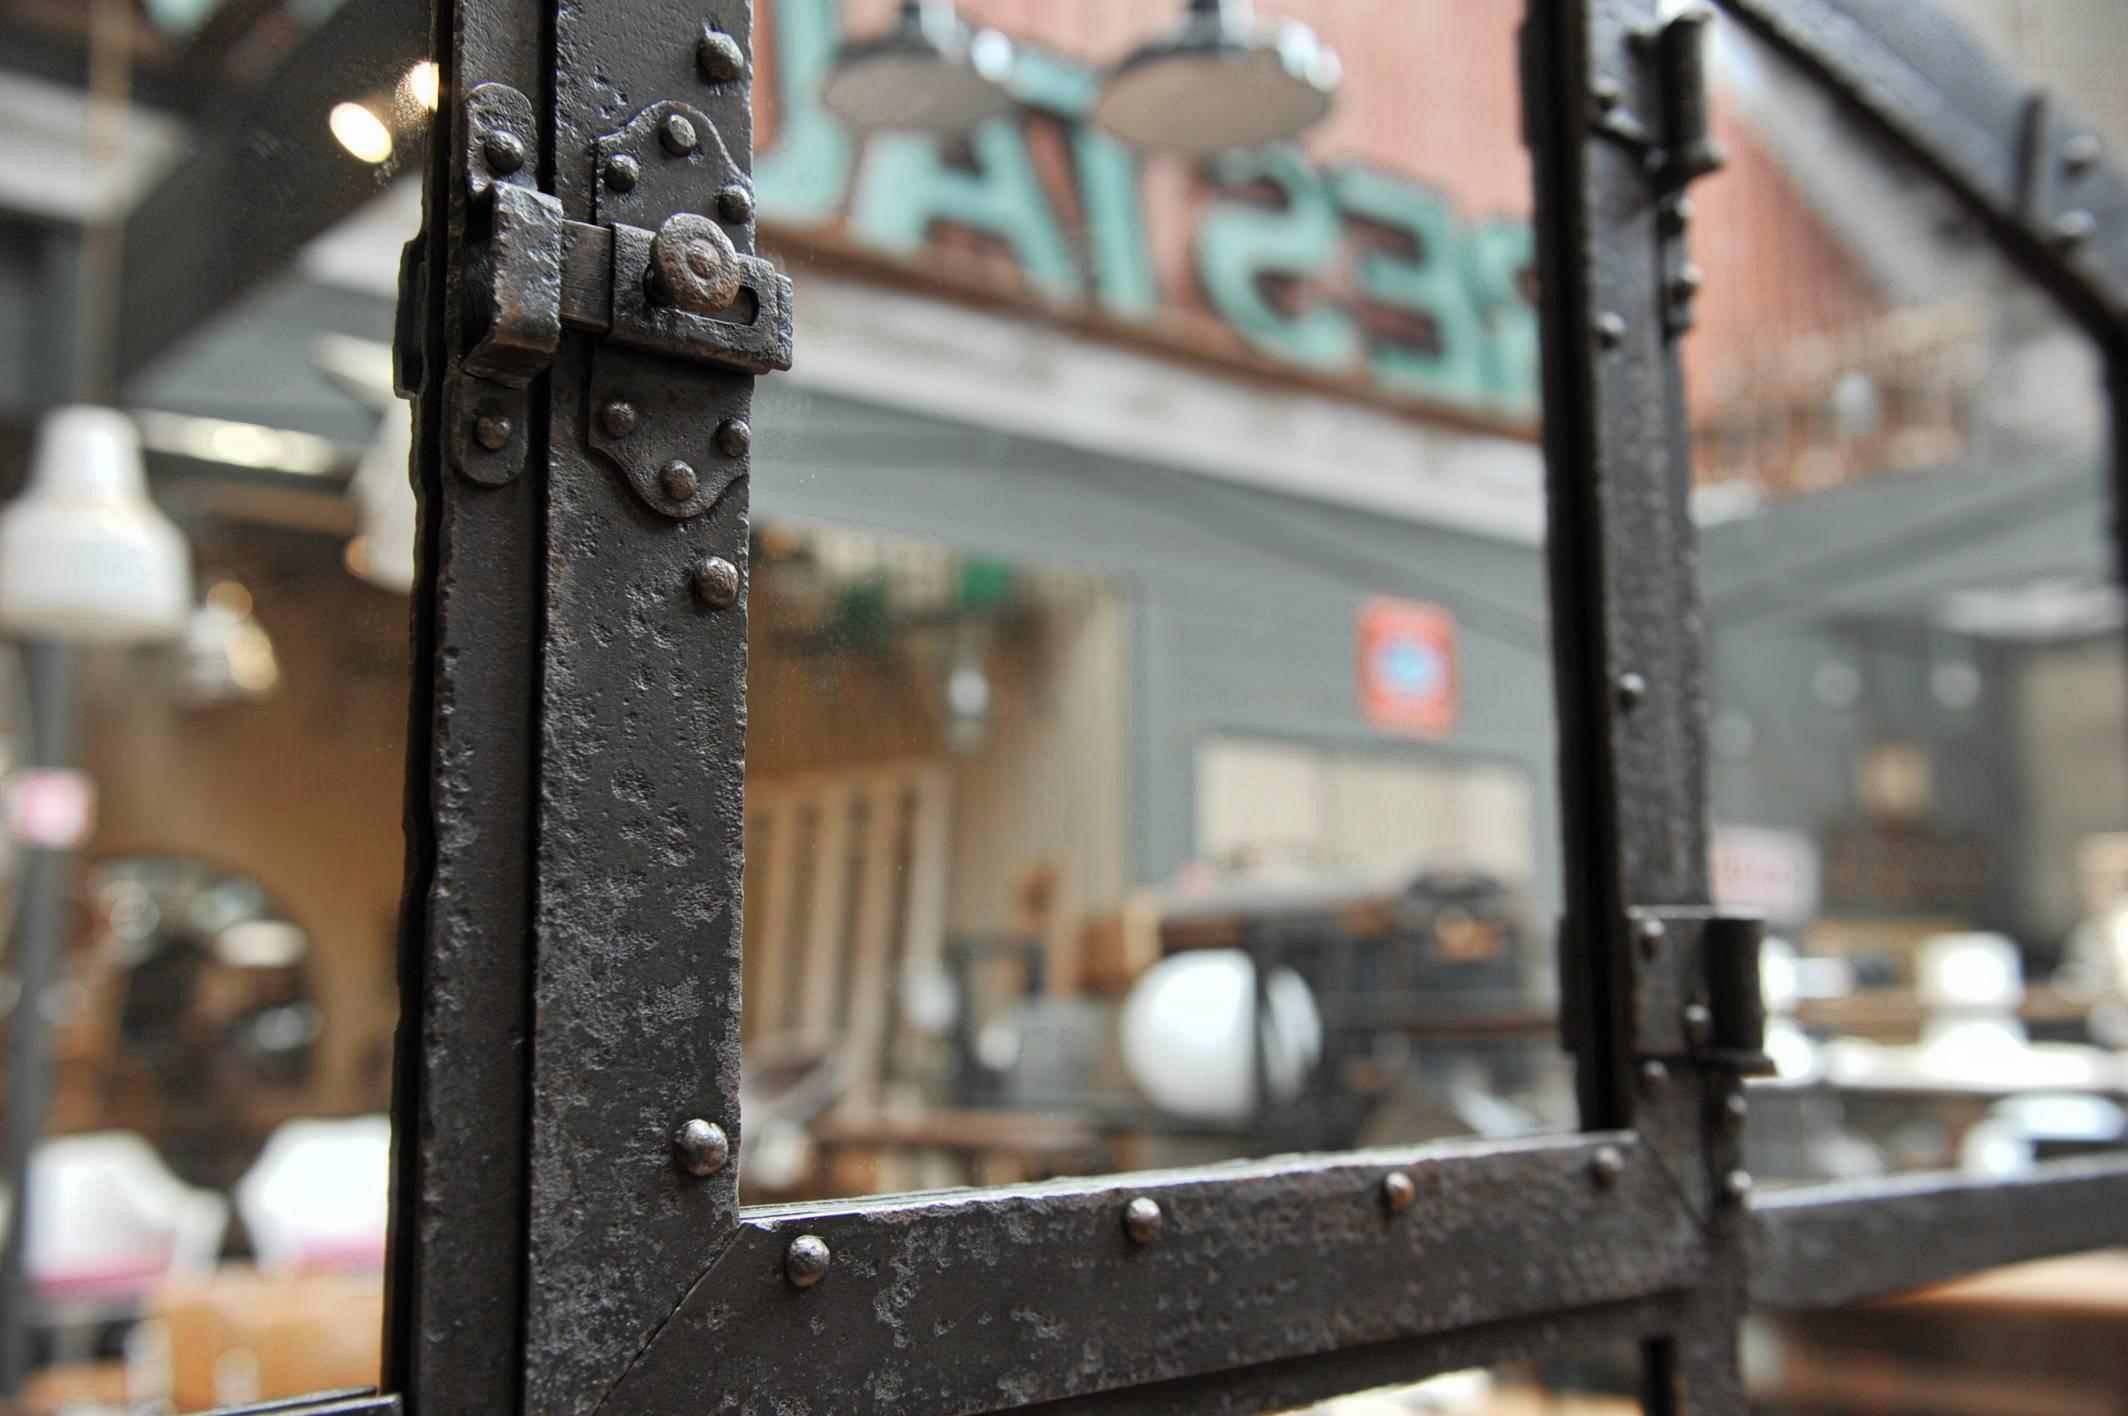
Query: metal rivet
<point x="1632" y="688"/>
<point x="2074" y="228"/>
<point x="735" y="203"/>
<point x="503" y="151"/>
<point x="1607" y="1165"/>
<point x="622" y="172"/>
<point x="720" y="56"/>
<point x="716" y="582"/>
<point x="1699" y="1024"/>
<point x="1606" y="91"/>
<point x="2080" y="152"/>
<point x="1735" y="1110"/>
<point x="679" y="480"/>
<point x="701" y="1147"/>
<point x="618" y="418"/>
<point x="1142" y="1220"/>
<point x="1651" y="932"/>
<point x="678" y="135"/>
<point x="1654" y="1077"/>
<point x="806" y="1262"/>
<point x="734" y="437"/>
<point x="1677" y="213"/>
<point x="1611" y="328"/>
<point x="1736" y="1184"/>
<point x="1688" y="279"/>
<point x="1398" y="1191"/>
<point x="492" y="431"/>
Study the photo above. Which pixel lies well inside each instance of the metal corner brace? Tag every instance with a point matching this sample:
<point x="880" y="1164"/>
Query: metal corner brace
<point x="682" y="290"/>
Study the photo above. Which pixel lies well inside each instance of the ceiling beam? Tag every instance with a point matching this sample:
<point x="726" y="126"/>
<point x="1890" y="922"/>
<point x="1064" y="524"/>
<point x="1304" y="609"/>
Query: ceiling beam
<point x="262" y="179"/>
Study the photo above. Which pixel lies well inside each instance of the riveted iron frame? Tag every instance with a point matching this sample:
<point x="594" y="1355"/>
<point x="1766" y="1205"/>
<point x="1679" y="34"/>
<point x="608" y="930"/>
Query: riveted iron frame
<point x="571" y="970"/>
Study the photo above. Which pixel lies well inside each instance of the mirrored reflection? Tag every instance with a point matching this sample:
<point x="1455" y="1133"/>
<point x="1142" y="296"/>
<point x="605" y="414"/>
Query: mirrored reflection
<point x="1919" y="734"/>
<point x="206" y="544"/>
<point x="1150" y="755"/>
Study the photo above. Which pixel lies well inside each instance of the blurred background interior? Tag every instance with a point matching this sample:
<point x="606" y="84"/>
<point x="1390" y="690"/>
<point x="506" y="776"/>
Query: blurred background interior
<point x="1151" y="756"/>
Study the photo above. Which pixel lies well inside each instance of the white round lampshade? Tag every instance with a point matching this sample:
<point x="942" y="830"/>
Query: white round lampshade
<point x="84" y="555"/>
<point x="1186" y="1034"/>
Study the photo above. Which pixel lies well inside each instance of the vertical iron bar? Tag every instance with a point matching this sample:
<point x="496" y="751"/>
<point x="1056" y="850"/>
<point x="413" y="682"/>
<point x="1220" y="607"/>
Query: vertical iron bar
<point x="39" y="945"/>
<point x="1630" y="675"/>
<point x="642" y="714"/>
<point x="455" y="1280"/>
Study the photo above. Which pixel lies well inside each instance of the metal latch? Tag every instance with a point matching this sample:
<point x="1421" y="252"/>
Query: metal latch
<point x="682" y="290"/>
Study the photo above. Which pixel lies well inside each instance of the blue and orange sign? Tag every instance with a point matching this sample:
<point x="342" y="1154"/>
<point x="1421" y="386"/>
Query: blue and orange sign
<point x="1407" y="667"/>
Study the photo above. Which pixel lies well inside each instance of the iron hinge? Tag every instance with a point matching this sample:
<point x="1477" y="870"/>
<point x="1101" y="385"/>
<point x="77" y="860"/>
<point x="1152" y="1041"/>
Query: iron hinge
<point x="683" y="291"/>
<point x="1675" y="144"/>
<point x="1696" y="994"/>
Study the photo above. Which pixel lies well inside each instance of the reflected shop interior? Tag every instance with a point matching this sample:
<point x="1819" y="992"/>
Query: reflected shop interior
<point x="1151" y="755"/>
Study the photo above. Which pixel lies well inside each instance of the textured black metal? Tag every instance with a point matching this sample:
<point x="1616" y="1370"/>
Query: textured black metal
<point x="642" y="714"/>
<point x="2013" y="157"/>
<point x="454" y="1281"/>
<point x="981" y="1301"/>
<point x="580" y="721"/>
<point x="1819" y="1246"/>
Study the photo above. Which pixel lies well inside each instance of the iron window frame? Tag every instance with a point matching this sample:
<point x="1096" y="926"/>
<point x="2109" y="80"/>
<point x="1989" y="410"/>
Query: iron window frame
<point x="567" y="1006"/>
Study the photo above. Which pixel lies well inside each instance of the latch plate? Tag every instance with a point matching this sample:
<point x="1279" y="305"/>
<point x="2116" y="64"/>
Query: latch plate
<point x="1708" y="1009"/>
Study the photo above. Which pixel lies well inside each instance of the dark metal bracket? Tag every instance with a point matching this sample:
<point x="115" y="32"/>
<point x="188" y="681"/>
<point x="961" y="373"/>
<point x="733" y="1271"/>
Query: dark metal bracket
<point x="1706" y="1009"/>
<point x="683" y="291"/>
<point x="1677" y="149"/>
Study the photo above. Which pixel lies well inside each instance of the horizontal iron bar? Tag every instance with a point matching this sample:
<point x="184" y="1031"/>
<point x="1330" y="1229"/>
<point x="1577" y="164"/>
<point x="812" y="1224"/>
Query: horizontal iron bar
<point x="968" y="1301"/>
<point x="1819" y="1246"/>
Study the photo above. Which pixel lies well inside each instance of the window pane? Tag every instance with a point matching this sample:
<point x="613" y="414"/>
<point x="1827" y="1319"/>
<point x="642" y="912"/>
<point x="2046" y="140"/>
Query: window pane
<point x="1919" y="705"/>
<point x="1150" y="750"/>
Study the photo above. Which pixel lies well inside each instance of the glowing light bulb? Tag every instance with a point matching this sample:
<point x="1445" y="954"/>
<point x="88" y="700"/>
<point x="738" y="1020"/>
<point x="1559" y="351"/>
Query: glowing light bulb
<point x="361" y="132"/>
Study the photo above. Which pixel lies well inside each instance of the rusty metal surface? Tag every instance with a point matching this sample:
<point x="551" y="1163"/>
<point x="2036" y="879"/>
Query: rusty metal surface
<point x="454" y="1284"/>
<point x="567" y="1238"/>
<point x="978" y="1301"/>
<point x="1819" y="1246"/>
<point x="642" y="739"/>
<point x="2011" y="152"/>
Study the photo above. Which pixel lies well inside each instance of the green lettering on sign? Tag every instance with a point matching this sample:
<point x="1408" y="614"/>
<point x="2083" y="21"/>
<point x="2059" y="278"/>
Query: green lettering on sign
<point x="907" y="186"/>
<point x="804" y="178"/>
<point x="1239" y="243"/>
<point x="1498" y="255"/>
<point x="1428" y="283"/>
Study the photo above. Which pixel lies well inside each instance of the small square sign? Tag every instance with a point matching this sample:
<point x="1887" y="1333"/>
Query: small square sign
<point x="1407" y="667"/>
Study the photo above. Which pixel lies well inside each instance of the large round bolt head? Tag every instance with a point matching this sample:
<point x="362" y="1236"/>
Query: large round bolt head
<point x="720" y="56"/>
<point x="678" y="134"/>
<point x="716" y="581"/>
<point x="1142" y="1220"/>
<point x="1606" y="1165"/>
<point x="701" y="1147"/>
<point x="504" y="152"/>
<point x="623" y="172"/>
<point x="693" y="265"/>
<point x="618" y="418"/>
<point x="806" y="1262"/>
<point x="678" y="480"/>
<point x="734" y="437"/>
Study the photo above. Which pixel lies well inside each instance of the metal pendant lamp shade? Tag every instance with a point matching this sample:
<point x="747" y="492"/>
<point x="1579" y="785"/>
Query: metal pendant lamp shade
<point x="84" y="555"/>
<point x="929" y="73"/>
<point x="1219" y="81"/>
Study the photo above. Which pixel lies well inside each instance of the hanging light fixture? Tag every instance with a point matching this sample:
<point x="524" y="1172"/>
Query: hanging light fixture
<point x="929" y="73"/>
<point x="1219" y="80"/>
<point x="84" y="555"/>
